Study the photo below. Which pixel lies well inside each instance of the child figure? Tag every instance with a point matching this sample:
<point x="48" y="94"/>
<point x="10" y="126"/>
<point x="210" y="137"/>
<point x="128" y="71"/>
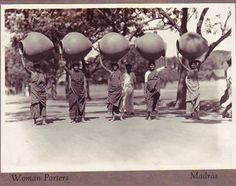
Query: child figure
<point x="115" y="94"/>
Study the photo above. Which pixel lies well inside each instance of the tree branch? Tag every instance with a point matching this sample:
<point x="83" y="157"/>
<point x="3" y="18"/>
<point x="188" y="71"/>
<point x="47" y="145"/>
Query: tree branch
<point x="200" y="21"/>
<point x="184" y="20"/>
<point x="171" y="21"/>
<point x="216" y="43"/>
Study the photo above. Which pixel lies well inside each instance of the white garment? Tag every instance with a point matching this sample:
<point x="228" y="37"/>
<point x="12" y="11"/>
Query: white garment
<point x="128" y="87"/>
<point x="148" y="72"/>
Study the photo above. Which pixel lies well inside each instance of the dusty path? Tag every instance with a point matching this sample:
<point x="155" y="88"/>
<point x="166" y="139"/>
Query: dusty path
<point x="171" y="142"/>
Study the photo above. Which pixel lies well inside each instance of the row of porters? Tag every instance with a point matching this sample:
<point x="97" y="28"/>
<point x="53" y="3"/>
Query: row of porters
<point x="112" y="46"/>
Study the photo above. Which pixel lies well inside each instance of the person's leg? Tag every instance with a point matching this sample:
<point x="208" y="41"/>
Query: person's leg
<point x="72" y="113"/>
<point x="189" y="107"/>
<point x="149" y="108"/>
<point x="113" y="116"/>
<point x="132" y="102"/>
<point x="35" y="112"/>
<point x="155" y="105"/>
<point x="43" y="114"/>
<point x="124" y="102"/>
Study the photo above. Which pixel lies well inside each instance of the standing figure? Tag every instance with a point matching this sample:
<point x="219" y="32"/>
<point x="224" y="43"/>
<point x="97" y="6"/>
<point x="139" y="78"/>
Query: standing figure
<point x="226" y="99"/>
<point x="115" y="94"/>
<point x="53" y="87"/>
<point x="38" y="92"/>
<point x="152" y="89"/>
<point x="77" y="92"/>
<point x="193" y="89"/>
<point x="129" y="80"/>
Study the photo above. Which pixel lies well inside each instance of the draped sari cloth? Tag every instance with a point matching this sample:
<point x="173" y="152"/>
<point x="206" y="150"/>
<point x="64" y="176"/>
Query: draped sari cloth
<point x="76" y="96"/>
<point x="193" y="94"/>
<point x="128" y="87"/>
<point x="115" y="96"/>
<point x="152" y="91"/>
<point x="38" y="95"/>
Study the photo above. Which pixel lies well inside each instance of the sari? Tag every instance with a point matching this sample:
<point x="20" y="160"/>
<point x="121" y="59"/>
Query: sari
<point x="128" y="87"/>
<point x="38" y="95"/>
<point x="152" y="91"/>
<point x="115" y="96"/>
<point x="76" y="96"/>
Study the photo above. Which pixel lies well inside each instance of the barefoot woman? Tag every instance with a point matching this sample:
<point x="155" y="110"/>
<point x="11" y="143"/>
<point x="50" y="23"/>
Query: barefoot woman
<point x="38" y="92"/>
<point x="76" y="95"/>
<point x="115" y="95"/>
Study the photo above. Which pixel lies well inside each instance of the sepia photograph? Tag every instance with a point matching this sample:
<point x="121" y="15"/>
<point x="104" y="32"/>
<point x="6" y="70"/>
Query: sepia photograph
<point x="117" y="87"/>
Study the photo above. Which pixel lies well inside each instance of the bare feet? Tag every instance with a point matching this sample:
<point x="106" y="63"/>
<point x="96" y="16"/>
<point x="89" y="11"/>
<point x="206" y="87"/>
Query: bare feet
<point x="112" y="119"/>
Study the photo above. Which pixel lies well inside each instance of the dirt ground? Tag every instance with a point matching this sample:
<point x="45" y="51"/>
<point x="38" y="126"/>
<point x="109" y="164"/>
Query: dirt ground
<point x="169" y="143"/>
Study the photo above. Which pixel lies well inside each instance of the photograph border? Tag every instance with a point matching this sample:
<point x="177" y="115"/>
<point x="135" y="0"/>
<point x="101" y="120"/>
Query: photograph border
<point x="175" y="177"/>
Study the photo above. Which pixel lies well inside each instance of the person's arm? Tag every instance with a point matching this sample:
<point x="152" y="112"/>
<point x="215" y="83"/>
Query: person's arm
<point x="145" y="84"/>
<point x="183" y="65"/>
<point x="135" y="79"/>
<point x="100" y="59"/>
<point x="123" y="80"/>
<point x="63" y="62"/>
<point x="23" y="63"/>
<point x="64" y="66"/>
<point x="66" y="69"/>
<point x="163" y="67"/>
<point x="103" y="66"/>
<point x="85" y="88"/>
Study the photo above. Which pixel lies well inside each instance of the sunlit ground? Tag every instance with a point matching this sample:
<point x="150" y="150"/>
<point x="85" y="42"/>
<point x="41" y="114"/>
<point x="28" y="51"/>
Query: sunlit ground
<point x="172" y="142"/>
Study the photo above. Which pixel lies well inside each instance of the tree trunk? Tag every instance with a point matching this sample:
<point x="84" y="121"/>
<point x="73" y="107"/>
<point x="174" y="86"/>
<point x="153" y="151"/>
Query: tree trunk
<point x="88" y="89"/>
<point x="181" y="91"/>
<point x="67" y="86"/>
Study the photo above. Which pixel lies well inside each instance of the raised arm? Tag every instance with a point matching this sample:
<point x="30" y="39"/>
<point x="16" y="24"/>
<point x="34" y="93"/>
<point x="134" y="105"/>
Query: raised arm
<point x="183" y="65"/>
<point x="65" y="67"/>
<point x="63" y="62"/>
<point x="23" y="63"/>
<point x="100" y="59"/>
<point x="103" y="66"/>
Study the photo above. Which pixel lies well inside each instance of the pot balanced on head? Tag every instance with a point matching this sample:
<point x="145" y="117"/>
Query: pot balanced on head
<point x="75" y="46"/>
<point x="192" y="45"/>
<point x="36" y="47"/>
<point x="151" y="46"/>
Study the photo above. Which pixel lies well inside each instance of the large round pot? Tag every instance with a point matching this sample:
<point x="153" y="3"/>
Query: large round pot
<point x="151" y="46"/>
<point x="36" y="46"/>
<point x="192" y="45"/>
<point x="114" y="46"/>
<point x="75" y="46"/>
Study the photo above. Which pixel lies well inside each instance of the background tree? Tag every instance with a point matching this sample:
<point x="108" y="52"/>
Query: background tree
<point x="94" y="23"/>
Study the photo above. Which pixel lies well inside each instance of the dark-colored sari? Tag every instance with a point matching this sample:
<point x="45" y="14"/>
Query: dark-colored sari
<point x="115" y="97"/>
<point x="76" y="96"/>
<point x="152" y="91"/>
<point x="38" y="95"/>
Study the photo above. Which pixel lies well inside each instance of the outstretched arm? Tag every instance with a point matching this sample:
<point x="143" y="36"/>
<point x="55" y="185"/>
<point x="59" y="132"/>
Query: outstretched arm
<point x="23" y="63"/>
